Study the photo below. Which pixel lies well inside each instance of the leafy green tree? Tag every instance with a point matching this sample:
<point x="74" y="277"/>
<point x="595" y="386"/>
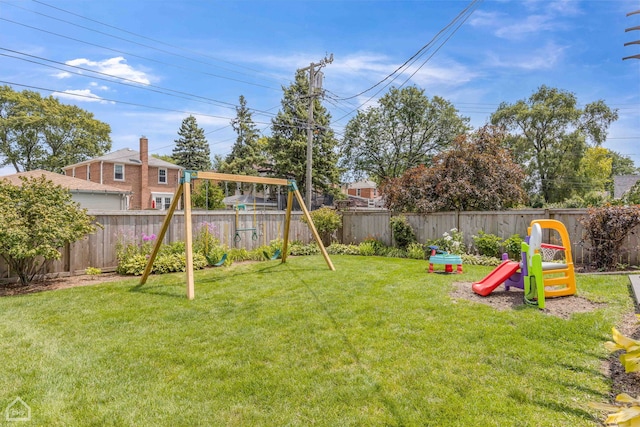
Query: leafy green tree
<point x="42" y="133"/>
<point x="207" y="195"/>
<point x="475" y="173"/>
<point x="192" y="149"/>
<point x="248" y="152"/>
<point x="595" y="170"/>
<point x="550" y="135"/>
<point x="405" y="130"/>
<point x="622" y="165"/>
<point x="38" y="218"/>
<point x="287" y="146"/>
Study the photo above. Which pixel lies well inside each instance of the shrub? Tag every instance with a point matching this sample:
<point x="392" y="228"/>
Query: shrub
<point x="260" y="253"/>
<point x="396" y="253"/>
<point x="340" y="249"/>
<point x="300" y="249"/>
<point x="487" y="244"/>
<point x="93" y="271"/>
<point x="367" y="249"/>
<point x="326" y="221"/>
<point x="379" y="247"/>
<point x="38" y="218"/>
<point x="451" y="242"/>
<point x="513" y="247"/>
<point x="416" y="251"/>
<point x="134" y="264"/>
<point x="238" y="255"/>
<point x="606" y="229"/>
<point x="403" y="233"/>
<point x="174" y="248"/>
<point x="487" y="261"/>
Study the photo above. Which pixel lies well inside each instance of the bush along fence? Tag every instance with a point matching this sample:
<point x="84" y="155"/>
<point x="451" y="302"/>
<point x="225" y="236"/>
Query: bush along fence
<point x="361" y="232"/>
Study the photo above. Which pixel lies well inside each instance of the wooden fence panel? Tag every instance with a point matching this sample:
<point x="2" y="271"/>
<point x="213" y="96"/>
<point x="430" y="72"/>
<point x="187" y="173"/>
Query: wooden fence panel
<point x="99" y="249"/>
<point x="360" y="225"/>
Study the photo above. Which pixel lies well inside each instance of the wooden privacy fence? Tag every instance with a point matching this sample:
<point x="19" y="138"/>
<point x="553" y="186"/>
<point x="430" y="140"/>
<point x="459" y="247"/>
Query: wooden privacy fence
<point x="99" y="249"/>
<point x="360" y="225"/>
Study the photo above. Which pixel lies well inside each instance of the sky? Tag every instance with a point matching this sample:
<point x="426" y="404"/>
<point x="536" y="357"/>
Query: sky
<point x="143" y="66"/>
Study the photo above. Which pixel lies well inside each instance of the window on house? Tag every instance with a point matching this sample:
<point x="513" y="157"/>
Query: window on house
<point x="162" y="176"/>
<point x="358" y="192"/>
<point x="167" y="203"/>
<point x="158" y="202"/>
<point x="118" y="172"/>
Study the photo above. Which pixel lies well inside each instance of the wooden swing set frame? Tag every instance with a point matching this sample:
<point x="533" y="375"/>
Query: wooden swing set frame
<point x="184" y="189"/>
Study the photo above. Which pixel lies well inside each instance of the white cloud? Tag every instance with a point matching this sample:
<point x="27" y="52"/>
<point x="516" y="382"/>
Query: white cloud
<point x="98" y="86"/>
<point x="116" y="67"/>
<point x="62" y="75"/>
<point x="543" y="17"/>
<point x="81" y="95"/>
<point x="544" y="58"/>
<point x="531" y="24"/>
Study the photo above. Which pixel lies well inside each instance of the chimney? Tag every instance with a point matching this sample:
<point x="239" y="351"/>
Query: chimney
<point x="145" y="195"/>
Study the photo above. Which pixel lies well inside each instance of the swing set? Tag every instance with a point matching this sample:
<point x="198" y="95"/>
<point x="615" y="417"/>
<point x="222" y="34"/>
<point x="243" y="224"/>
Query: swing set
<point x="184" y="189"/>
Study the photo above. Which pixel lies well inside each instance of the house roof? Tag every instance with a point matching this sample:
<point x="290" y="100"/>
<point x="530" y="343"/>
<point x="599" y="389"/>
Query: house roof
<point x="127" y="156"/>
<point x="362" y="184"/>
<point x="623" y="183"/>
<point x="72" y="184"/>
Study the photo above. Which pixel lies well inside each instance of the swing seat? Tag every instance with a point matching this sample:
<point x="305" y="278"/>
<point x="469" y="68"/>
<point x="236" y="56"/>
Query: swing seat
<point x="221" y="262"/>
<point x="276" y="255"/>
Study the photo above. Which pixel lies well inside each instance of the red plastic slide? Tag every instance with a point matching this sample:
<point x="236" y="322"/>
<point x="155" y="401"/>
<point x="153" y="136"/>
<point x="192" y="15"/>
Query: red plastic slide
<point x="495" y="278"/>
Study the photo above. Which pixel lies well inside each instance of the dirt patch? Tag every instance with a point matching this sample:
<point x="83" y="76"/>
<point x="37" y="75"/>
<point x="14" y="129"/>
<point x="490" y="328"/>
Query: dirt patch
<point x="501" y="299"/>
<point x="8" y="289"/>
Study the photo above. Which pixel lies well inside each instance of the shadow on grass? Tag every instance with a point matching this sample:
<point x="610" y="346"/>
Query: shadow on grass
<point x="204" y="278"/>
<point x="564" y="409"/>
<point x="155" y="290"/>
<point x="389" y="403"/>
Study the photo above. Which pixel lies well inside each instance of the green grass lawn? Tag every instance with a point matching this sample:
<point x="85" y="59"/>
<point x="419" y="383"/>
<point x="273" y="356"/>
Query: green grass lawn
<point x="377" y="342"/>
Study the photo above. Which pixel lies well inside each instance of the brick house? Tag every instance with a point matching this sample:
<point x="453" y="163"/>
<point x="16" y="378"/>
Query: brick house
<point x="365" y="189"/>
<point x="151" y="181"/>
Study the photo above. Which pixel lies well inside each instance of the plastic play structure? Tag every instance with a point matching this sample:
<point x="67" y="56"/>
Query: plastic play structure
<point x="541" y="273"/>
<point x="442" y="257"/>
<point x="184" y="189"/>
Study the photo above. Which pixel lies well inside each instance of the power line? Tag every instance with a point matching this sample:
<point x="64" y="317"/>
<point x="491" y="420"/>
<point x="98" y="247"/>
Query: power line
<point x="468" y="11"/>
<point x="134" y="83"/>
<point x="414" y="56"/>
<point x="135" y="55"/>
<point x="159" y="42"/>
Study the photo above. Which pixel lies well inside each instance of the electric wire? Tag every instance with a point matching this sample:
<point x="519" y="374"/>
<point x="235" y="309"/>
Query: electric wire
<point x="414" y="56"/>
<point x="132" y="83"/>
<point x="163" y="43"/>
<point x="468" y="10"/>
<point x="137" y="56"/>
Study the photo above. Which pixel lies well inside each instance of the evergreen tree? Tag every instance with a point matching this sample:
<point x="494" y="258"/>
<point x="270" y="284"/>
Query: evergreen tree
<point x="192" y="149"/>
<point x="247" y="154"/>
<point x="287" y="145"/>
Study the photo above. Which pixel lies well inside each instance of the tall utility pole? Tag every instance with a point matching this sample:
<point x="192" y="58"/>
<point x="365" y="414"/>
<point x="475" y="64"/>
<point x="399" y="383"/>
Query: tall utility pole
<point x="633" y="42"/>
<point x="313" y="75"/>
